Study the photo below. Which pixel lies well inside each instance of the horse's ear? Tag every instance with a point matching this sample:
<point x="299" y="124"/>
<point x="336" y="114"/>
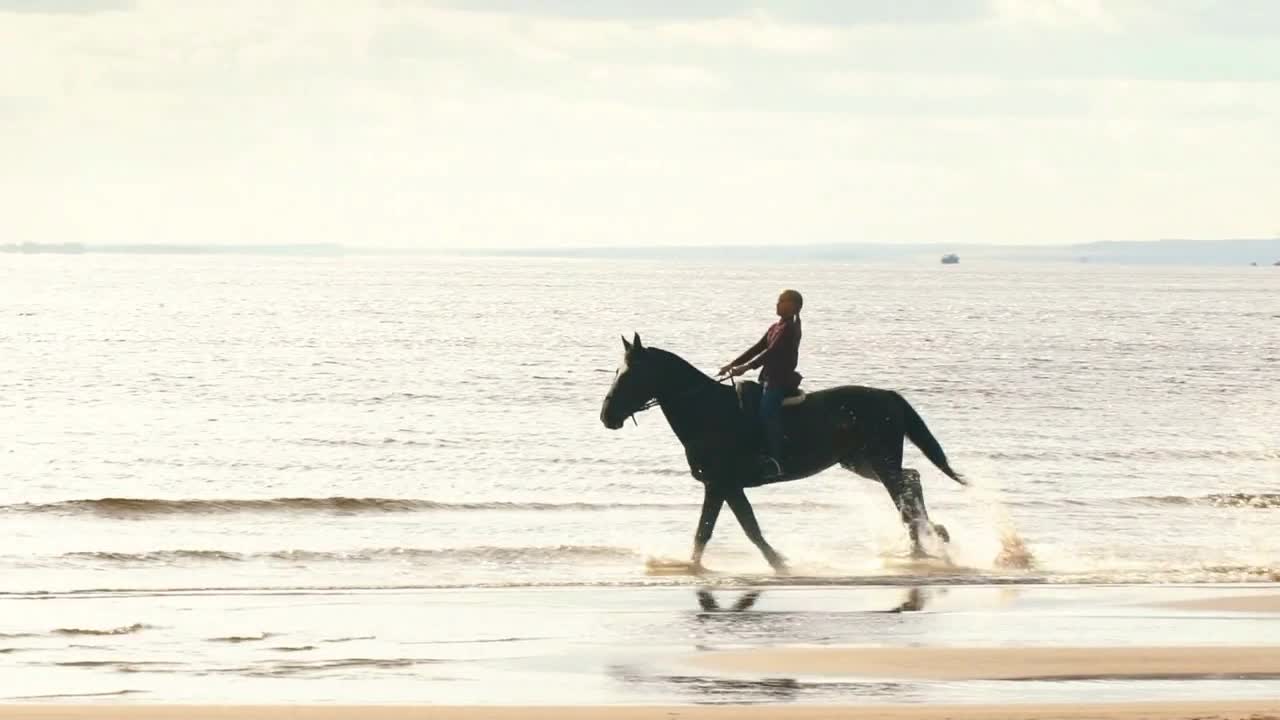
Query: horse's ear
<point x="635" y="342"/>
<point x="626" y="345"/>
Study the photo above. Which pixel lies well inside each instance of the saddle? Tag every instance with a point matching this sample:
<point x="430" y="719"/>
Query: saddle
<point x="750" y="393"/>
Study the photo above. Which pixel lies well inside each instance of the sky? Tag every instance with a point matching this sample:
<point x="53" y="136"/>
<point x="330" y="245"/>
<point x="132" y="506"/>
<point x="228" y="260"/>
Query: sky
<point x="550" y="123"/>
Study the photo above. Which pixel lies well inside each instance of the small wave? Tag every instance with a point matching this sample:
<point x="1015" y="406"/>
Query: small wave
<point x="372" y="443"/>
<point x="143" y="507"/>
<point x="287" y="669"/>
<point x="159" y="556"/>
<point x="660" y="581"/>
<point x="480" y="641"/>
<point x="299" y="648"/>
<point x="1192" y="575"/>
<point x="117" y="693"/>
<point x="1240" y="500"/>
<point x="118" y="665"/>
<point x="1246" y="573"/>
<point x="236" y="639"/>
<point x="400" y="397"/>
<point x="127" y="630"/>
<point x="482" y="553"/>
<point x="1138" y="454"/>
<point x="150" y="506"/>
<point x="329" y="442"/>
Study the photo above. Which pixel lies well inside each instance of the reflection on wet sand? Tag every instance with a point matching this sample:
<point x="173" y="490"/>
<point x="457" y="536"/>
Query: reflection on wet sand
<point x="736" y="619"/>
<point x="914" y="599"/>
<point x="707" y="600"/>
<point x="731" y="617"/>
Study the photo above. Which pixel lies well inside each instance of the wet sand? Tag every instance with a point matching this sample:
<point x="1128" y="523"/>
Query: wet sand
<point x="1202" y="710"/>
<point x="1002" y="663"/>
<point x="1255" y="603"/>
<point x="910" y="648"/>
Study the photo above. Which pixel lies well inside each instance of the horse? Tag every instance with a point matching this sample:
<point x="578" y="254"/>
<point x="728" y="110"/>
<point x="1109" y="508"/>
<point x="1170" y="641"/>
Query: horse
<point x="860" y="428"/>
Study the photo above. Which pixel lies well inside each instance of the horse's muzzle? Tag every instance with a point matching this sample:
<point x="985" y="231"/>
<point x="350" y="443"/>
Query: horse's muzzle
<point x="610" y="422"/>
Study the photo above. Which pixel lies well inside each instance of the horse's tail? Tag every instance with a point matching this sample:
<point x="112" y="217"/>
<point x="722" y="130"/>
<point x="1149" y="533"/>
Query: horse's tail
<point x="920" y="436"/>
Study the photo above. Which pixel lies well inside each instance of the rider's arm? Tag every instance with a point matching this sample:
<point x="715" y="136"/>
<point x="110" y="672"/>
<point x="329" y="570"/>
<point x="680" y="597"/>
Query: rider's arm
<point x="780" y="340"/>
<point x="751" y="351"/>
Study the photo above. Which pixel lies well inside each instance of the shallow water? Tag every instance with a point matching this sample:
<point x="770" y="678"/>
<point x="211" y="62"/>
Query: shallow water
<point x="271" y="424"/>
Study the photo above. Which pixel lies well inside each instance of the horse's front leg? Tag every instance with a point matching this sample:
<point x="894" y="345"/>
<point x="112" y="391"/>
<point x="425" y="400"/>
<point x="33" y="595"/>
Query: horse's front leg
<point x="712" y="501"/>
<point x="741" y="508"/>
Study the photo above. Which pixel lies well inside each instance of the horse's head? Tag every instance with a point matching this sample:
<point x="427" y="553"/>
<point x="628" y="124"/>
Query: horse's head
<point x="634" y="385"/>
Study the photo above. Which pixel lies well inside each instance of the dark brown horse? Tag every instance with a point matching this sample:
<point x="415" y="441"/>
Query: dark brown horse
<point x="859" y="428"/>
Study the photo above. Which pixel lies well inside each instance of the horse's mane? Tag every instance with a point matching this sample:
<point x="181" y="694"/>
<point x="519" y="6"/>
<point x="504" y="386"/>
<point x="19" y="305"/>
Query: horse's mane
<point x="673" y="363"/>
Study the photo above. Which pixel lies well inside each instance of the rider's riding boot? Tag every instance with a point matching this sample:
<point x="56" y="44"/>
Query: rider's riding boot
<point x="771" y="464"/>
<point x="771" y="418"/>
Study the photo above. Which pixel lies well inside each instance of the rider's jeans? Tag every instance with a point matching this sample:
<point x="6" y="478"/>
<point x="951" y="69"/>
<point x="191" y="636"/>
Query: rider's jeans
<point x="771" y="416"/>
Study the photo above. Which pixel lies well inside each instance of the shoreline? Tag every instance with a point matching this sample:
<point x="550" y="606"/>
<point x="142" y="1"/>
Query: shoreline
<point x="1226" y="710"/>
<point x="1049" y="663"/>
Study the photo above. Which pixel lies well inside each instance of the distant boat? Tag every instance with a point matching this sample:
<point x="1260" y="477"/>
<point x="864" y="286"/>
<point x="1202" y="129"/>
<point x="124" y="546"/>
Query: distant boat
<point x="952" y="259"/>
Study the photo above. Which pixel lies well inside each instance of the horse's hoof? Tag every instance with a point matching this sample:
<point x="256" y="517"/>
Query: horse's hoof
<point x="941" y="531"/>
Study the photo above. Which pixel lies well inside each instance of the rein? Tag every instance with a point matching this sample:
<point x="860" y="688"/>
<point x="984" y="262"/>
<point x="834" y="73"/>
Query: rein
<point x="655" y="402"/>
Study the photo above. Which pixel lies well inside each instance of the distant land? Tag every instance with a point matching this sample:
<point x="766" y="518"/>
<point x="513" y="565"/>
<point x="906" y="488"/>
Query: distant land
<point x="174" y="249"/>
<point x="1262" y="251"/>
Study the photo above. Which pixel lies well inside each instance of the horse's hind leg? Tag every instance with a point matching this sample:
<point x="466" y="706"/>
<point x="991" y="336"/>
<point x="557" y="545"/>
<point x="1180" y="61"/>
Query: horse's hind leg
<point x="903" y="485"/>
<point x="911" y="478"/>
<point x="897" y="481"/>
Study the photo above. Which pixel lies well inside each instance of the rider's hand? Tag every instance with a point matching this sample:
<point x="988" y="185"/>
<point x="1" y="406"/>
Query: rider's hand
<point x="725" y="370"/>
<point x="739" y="370"/>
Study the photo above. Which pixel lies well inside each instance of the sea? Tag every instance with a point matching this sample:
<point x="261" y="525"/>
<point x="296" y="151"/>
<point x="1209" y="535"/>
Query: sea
<point x="241" y="477"/>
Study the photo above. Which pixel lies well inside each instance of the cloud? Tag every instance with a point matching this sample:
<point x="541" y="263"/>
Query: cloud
<point x="840" y="12"/>
<point x="431" y="30"/>
<point x="499" y="123"/>
<point x="1089" y="14"/>
<point x="755" y="32"/>
<point x="63" y="7"/>
<point x="1238" y="17"/>
<point x="910" y="85"/>
<point x="1192" y="17"/>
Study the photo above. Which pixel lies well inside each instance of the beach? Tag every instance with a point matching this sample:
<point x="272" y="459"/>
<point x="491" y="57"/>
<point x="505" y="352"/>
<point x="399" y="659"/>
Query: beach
<point x="1259" y="710"/>
<point x="1048" y="663"/>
